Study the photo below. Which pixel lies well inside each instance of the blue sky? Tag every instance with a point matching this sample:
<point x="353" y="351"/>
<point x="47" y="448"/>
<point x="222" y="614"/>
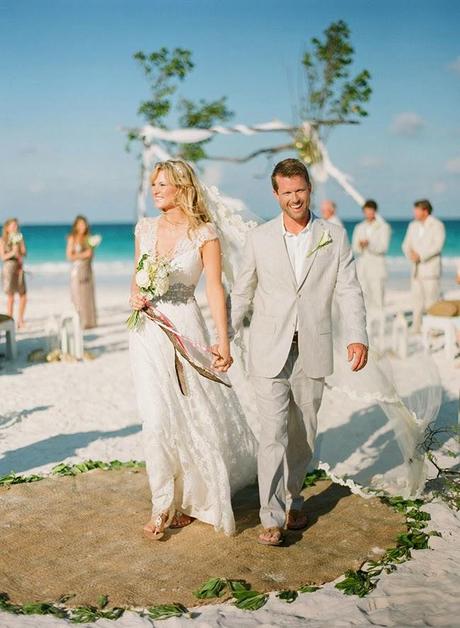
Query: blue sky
<point x="69" y="82"/>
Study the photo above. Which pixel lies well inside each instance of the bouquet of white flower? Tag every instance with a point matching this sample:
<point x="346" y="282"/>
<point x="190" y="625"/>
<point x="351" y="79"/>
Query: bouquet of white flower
<point x="152" y="279"/>
<point x="94" y="240"/>
<point x="15" y="238"/>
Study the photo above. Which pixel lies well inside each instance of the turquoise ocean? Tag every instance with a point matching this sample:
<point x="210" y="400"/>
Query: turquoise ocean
<point x="114" y="257"/>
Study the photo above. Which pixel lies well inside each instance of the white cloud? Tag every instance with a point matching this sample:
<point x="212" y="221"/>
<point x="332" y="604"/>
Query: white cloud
<point x="27" y="150"/>
<point x="407" y="123"/>
<point x="371" y="162"/>
<point x="455" y="65"/>
<point x="213" y="174"/>
<point x="439" y="187"/>
<point x="453" y="165"/>
<point x="36" y="187"/>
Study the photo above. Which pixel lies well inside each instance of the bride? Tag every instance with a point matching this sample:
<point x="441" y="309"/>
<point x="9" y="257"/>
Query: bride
<point x="199" y="449"/>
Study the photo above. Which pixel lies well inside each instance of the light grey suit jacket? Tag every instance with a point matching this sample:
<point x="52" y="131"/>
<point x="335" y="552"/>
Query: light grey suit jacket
<point x="371" y="259"/>
<point x="428" y="245"/>
<point x="267" y="282"/>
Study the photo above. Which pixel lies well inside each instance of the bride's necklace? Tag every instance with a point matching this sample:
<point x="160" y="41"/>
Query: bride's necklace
<point x="174" y="225"/>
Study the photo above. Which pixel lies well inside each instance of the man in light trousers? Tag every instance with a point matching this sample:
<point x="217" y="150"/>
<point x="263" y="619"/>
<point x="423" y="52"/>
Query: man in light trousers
<point x="422" y="246"/>
<point x="292" y="268"/>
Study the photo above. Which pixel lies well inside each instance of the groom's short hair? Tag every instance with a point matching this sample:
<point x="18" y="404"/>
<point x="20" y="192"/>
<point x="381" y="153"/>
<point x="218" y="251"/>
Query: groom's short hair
<point x="289" y="168"/>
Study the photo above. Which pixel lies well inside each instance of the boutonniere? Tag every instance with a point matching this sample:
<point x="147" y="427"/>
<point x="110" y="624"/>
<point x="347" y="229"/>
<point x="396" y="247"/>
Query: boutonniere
<point x="324" y="241"/>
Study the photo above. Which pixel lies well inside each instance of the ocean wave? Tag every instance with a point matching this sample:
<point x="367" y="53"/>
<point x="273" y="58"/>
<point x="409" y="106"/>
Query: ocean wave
<point x="400" y="262"/>
<point x="106" y="268"/>
<point x="125" y="267"/>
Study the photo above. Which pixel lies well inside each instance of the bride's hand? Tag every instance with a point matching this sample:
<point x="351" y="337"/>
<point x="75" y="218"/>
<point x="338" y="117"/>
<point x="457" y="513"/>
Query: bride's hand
<point x="137" y="301"/>
<point x="222" y="358"/>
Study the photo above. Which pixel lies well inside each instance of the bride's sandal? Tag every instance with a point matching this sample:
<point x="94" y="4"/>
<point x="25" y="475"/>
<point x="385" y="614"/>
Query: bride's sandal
<point x="155" y="529"/>
<point x="181" y="520"/>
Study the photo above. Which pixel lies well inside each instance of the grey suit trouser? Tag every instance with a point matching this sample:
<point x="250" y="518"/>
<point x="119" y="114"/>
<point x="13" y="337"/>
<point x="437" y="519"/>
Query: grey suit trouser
<point x="425" y="293"/>
<point x="287" y="406"/>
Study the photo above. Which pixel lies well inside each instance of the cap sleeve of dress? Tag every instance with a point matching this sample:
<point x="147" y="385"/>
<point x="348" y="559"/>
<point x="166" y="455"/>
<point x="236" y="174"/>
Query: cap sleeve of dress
<point x="206" y="233"/>
<point x="140" y="227"/>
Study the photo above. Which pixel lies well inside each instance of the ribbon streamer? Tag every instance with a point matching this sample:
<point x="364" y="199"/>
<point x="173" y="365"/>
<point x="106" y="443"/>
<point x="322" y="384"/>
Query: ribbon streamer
<point x="178" y="342"/>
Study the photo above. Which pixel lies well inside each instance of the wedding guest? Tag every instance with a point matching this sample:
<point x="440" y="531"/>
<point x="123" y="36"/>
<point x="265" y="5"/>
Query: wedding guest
<point x="370" y="242"/>
<point x="422" y="246"/>
<point x="12" y="253"/>
<point x="329" y="212"/>
<point x="80" y="253"/>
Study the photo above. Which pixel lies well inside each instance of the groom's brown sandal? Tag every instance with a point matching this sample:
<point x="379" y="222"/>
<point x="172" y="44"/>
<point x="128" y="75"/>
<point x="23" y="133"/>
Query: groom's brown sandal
<point x="181" y="520"/>
<point x="296" y="520"/>
<point x="155" y="529"/>
<point x="271" y="536"/>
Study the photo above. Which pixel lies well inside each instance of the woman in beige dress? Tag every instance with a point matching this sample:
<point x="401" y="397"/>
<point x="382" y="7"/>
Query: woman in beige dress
<point x="80" y="253"/>
<point x="12" y="252"/>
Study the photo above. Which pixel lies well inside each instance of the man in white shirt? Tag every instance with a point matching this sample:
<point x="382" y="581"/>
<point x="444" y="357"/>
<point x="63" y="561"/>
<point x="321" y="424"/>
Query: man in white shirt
<point x="370" y="242"/>
<point x="329" y="212"/>
<point x="422" y="246"/>
<point x="292" y="267"/>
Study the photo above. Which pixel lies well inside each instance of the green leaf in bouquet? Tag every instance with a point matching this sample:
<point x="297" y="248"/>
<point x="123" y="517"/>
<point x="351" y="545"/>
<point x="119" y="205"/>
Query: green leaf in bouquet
<point x="287" y="595"/>
<point x="250" y="600"/>
<point x="165" y="611"/>
<point x="214" y="587"/>
<point x="134" y="320"/>
<point x="140" y="263"/>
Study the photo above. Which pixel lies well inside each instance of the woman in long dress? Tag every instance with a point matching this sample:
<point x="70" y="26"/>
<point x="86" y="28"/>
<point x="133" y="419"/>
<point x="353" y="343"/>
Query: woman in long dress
<point x="12" y="252"/>
<point x="80" y="253"/>
<point x="199" y="449"/>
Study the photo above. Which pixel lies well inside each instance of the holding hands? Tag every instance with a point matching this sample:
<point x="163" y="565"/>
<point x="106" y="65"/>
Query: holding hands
<point x="222" y="359"/>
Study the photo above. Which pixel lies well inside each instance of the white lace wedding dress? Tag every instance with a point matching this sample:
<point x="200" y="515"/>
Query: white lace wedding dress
<point x="199" y="449"/>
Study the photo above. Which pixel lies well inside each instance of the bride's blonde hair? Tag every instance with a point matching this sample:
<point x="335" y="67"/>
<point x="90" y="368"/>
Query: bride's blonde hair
<point x="189" y="196"/>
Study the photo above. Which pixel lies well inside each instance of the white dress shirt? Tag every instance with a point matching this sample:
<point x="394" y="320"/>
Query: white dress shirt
<point x="298" y="247"/>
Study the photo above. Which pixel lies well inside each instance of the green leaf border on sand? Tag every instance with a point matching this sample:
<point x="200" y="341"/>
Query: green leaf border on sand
<point x="364" y="580"/>
<point x="360" y="582"/>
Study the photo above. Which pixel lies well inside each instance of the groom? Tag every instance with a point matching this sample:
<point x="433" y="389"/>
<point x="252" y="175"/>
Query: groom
<point x="292" y="267"/>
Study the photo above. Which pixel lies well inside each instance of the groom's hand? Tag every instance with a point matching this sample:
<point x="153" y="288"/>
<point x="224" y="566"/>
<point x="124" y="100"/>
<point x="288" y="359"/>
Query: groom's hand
<point x="357" y="355"/>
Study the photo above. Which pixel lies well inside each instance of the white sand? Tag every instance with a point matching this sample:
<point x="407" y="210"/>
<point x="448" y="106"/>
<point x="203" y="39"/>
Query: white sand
<point x="73" y="411"/>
